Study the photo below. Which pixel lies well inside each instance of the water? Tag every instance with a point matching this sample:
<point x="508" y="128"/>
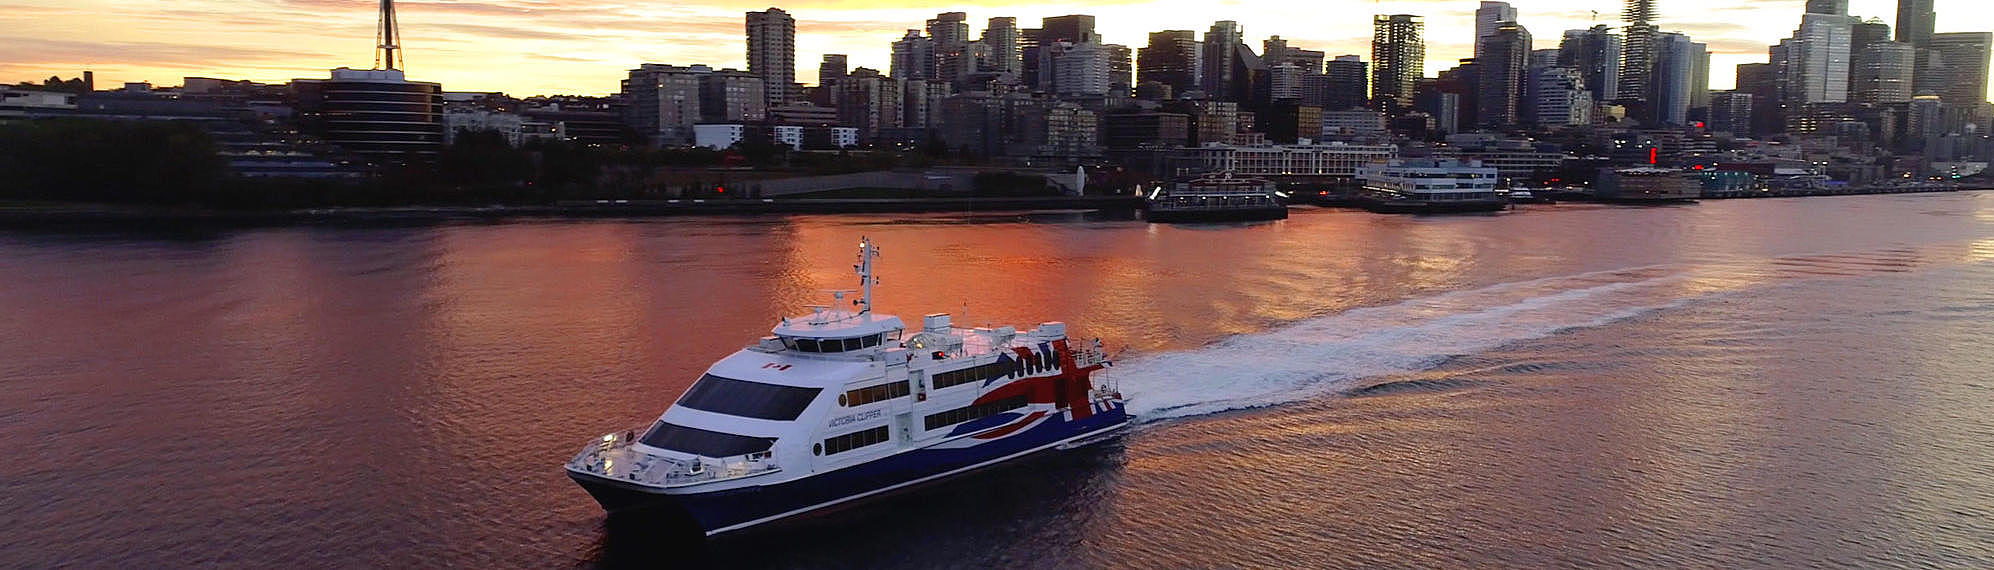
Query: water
<point x="1743" y="384"/>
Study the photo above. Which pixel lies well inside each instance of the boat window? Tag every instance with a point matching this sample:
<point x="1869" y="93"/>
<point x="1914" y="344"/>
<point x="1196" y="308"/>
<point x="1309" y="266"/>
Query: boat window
<point x="852" y="344"/>
<point x="748" y="399"/>
<point x="855" y="440"/>
<point x="968" y="375"/>
<point x="806" y="344"/>
<point x="872" y="341"/>
<point x="971" y="413"/>
<point x="702" y="442"/>
<point x="870" y="394"/>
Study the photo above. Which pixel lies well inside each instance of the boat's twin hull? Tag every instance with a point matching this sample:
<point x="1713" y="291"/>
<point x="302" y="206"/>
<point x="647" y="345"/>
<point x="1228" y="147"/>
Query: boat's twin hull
<point x="734" y="509"/>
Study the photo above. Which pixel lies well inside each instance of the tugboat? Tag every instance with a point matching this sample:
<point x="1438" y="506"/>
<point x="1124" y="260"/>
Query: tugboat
<point x="1216" y="198"/>
<point x="841" y="405"/>
<point x="1430" y="186"/>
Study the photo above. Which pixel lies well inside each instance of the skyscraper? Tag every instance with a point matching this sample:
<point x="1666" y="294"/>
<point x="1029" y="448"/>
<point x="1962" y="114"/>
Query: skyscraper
<point x="949" y="29"/>
<point x="1883" y="73"/>
<point x="1595" y="53"/>
<point x="913" y="57"/>
<point x="772" y="53"/>
<point x="1349" y="83"/>
<point x="1915" y="21"/>
<point x="832" y="69"/>
<point x="1488" y="17"/>
<point x="1816" y="62"/>
<point x="1957" y="68"/>
<point x="1220" y="55"/>
<point x="1505" y="62"/>
<point x="1637" y="61"/>
<point x="1677" y="61"/>
<point x="1076" y="28"/>
<point x="1834" y="7"/>
<point x="1171" y="58"/>
<point x="1398" y="59"/>
<point x="1002" y="37"/>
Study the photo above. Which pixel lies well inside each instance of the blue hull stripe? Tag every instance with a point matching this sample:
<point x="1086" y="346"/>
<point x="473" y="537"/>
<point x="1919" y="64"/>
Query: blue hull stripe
<point x="723" y="511"/>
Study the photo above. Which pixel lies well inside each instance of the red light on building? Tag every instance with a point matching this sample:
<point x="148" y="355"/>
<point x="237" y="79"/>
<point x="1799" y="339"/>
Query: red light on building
<point x="1654" y="156"/>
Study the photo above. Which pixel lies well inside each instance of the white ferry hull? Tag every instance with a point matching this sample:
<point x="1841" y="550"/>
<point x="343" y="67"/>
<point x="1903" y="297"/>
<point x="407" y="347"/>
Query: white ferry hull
<point x="725" y="510"/>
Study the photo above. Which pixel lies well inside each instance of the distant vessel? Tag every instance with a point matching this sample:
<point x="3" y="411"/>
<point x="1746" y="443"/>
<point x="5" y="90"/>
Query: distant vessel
<point x="1216" y="198"/>
<point x="1430" y="186"/>
<point x="840" y="405"/>
<point x="1648" y="185"/>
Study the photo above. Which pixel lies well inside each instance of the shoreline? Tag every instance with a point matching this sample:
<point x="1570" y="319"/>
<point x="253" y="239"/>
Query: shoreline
<point x="89" y="215"/>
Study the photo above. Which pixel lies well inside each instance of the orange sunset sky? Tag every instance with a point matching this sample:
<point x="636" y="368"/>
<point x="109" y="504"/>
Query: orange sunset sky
<point x="527" y="47"/>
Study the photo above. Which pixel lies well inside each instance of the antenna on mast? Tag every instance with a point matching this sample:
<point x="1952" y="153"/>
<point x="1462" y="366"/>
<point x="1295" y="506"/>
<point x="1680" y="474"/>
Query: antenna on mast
<point x="388" y="39"/>
<point x="867" y="252"/>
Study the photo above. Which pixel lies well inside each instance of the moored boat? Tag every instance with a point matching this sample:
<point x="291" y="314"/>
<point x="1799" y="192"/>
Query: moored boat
<point x="1430" y="186"/>
<point x="1215" y="198"/>
<point x="841" y="405"/>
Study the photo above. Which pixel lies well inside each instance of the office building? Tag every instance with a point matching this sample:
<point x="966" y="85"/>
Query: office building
<point x="377" y="114"/>
<point x="1883" y="73"/>
<point x="1348" y="83"/>
<point x="1677" y="63"/>
<point x="1916" y="22"/>
<point x="1489" y="17"/>
<point x="1398" y="60"/>
<point x="1815" y="61"/>
<point x="772" y="54"/>
<point x="1221" y="56"/>
<point x="1172" y="58"/>
<point x="1002" y="38"/>
<point x="913" y="57"/>
<point x="1955" y="68"/>
<point x="1502" y="84"/>
<point x="1831" y="7"/>
<point x="1595" y="55"/>
<point x="732" y="96"/>
<point x="1731" y="114"/>
<point x="832" y="69"/>
<point x="1558" y="97"/>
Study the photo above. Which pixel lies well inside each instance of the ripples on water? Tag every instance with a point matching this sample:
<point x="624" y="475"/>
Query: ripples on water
<point x="1774" y="383"/>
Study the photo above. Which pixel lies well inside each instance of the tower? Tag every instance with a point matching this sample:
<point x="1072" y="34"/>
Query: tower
<point x="1488" y="17"/>
<point x="1637" y="60"/>
<point x="1398" y="60"/>
<point x="772" y="53"/>
<point x="388" y="39"/>
<point x="1915" y="21"/>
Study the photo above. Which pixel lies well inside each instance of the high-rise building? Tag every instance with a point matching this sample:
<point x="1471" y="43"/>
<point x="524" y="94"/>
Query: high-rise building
<point x="1274" y="50"/>
<point x="377" y="114"/>
<point x="772" y="54"/>
<point x="869" y="102"/>
<point x="732" y="96"/>
<point x="1002" y="37"/>
<point x="1171" y="58"/>
<point x="1501" y="86"/>
<point x="1816" y="60"/>
<point x="1956" y="68"/>
<point x="1488" y="17"/>
<point x="1883" y="73"/>
<point x="664" y="102"/>
<point x="1220" y="57"/>
<point x="1637" y="60"/>
<point x="1349" y="83"/>
<point x="949" y="29"/>
<point x="1731" y="113"/>
<point x="1915" y="21"/>
<point x="1075" y="28"/>
<point x="913" y="57"/>
<point x="1832" y="7"/>
<point x="1595" y="54"/>
<point x="832" y="69"/>
<point x="1677" y="62"/>
<point x="1398" y="60"/>
<point x="1121" y="69"/>
<point x="1761" y="81"/>
<point x="1558" y="97"/>
<point x="1078" y="70"/>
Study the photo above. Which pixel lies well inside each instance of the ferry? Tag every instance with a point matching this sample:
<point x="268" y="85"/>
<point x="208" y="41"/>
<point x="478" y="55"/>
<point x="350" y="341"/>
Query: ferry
<point x="844" y="404"/>
<point x="1430" y="186"/>
<point x="1216" y="198"/>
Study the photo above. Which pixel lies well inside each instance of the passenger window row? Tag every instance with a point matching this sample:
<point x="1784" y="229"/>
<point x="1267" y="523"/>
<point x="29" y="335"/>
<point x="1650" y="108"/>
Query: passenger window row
<point x="870" y="394"/>
<point x="971" y="374"/>
<point x="855" y="440"/>
<point x="971" y="413"/>
<point x="832" y="344"/>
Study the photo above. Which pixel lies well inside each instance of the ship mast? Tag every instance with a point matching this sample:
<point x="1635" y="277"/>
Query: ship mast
<point x="867" y="252"/>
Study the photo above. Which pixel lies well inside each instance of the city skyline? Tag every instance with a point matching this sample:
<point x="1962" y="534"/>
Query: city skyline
<point x="544" y="47"/>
